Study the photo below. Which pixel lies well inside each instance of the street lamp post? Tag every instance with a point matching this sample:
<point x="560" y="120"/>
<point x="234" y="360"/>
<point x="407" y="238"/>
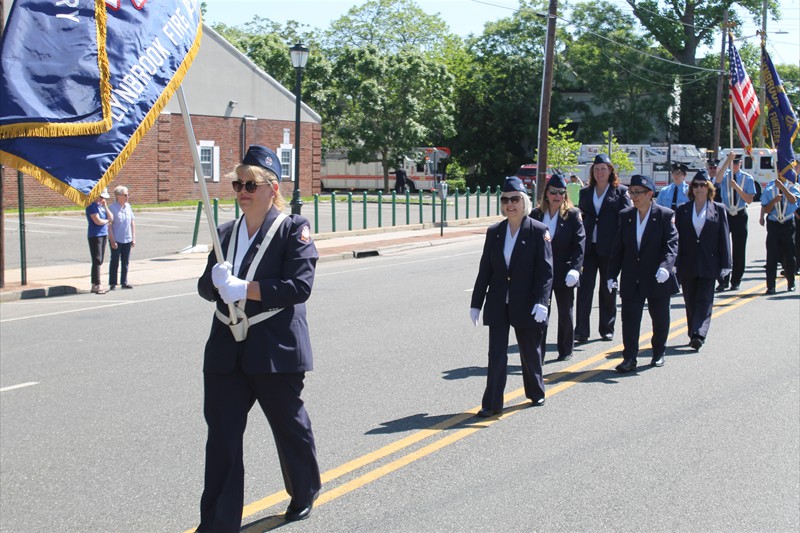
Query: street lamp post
<point x="299" y="54"/>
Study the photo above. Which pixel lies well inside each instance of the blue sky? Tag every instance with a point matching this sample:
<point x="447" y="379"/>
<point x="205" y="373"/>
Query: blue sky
<point x="469" y="16"/>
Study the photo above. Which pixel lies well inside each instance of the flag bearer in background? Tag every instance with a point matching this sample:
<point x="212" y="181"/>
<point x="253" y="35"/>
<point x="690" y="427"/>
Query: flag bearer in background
<point x="778" y="205"/>
<point x="737" y="189"/>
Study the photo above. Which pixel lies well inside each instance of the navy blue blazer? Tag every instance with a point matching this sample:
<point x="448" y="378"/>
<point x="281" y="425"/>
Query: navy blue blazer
<point x="639" y="265"/>
<point x="615" y="200"/>
<point x="285" y="275"/>
<point x="704" y="256"/>
<point x="567" y="245"/>
<point x="526" y="281"/>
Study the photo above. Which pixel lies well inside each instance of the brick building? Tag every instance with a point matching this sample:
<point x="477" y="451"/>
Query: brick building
<point x="233" y="104"/>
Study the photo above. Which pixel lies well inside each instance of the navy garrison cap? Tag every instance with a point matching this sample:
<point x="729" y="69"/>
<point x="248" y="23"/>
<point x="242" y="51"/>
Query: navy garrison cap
<point x="642" y="181"/>
<point x="713" y="162"/>
<point x="680" y="167"/>
<point x="557" y="181"/>
<point x="602" y="158"/>
<point x="514" y="184"/>
<point x="263" y="157"/>
<point x="701" y="175"/>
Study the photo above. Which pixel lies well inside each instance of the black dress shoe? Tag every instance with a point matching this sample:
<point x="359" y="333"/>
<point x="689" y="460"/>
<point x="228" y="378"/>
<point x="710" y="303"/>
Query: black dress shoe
<point x="790" y="288"/>
<point x="293" y="514"/>
<point x="564" y="357"/>
<point x="127" y="286"/>
<point x="626" y="366"/>
<point x="657" y="361"/>
<point x="696" y="343"/>
<point x="537" y="403"/>
<point x="607" y="336"/>
<point x="735" y="287"/>
<point x="770" y="291"/>
<point x="580" y="339"/>
<point x="486" y="413"/>
<point x="721" y="287"/>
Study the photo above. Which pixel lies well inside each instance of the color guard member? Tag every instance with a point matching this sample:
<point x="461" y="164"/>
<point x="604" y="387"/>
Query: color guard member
<point x="737" y="190"/>
<point x="267" y="275"/>
<point x="779" y="201"/>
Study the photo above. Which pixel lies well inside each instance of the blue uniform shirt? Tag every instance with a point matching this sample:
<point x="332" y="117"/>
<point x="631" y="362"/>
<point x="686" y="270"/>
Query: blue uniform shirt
<point x="771" y="191"/>
<point x="94" y="229"/>
<point x="664" y="197"/>
<point x="744" y="180"/>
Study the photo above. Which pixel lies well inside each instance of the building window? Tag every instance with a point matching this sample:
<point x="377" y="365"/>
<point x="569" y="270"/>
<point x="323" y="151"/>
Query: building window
<point x="286" y="165"/>
<point x="209" y="160"/>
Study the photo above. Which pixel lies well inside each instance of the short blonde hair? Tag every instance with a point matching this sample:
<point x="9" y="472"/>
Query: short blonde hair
<point x="527" y="205"/>
<point x="259" y="175"/>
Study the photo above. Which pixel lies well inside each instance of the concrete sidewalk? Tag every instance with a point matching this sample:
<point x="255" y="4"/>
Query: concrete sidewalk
<point x="74" y="279"/>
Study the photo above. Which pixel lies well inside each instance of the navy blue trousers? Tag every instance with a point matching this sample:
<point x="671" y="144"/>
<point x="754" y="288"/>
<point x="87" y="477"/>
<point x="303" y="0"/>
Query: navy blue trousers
<point x="228" y="399"/>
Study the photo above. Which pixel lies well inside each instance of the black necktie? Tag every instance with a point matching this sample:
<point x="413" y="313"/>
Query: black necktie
<point x="674" y="198"/>
<point x="735" y="201"/>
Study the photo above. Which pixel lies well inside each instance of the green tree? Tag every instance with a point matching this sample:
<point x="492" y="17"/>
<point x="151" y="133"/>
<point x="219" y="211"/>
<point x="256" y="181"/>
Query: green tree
<point x="562" y="149"/>
<point x="619" y="157"/>
<point x="388" y="104"/>
<point x="681" y="27"/>
<point x="631" y="92"/>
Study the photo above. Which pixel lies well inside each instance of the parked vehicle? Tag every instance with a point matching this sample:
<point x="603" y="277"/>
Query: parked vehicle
<point x="423" y="170"/>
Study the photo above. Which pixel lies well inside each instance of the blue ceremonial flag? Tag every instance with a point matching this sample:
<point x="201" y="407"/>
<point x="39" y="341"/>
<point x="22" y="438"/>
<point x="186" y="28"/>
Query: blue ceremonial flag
<point x="782" y="120"/>
<point x="149" y="46"/>
<point x="41" y="98"/>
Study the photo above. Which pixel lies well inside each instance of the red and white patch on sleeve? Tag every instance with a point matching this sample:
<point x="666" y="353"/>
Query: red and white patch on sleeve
<point x="305" y="234"/>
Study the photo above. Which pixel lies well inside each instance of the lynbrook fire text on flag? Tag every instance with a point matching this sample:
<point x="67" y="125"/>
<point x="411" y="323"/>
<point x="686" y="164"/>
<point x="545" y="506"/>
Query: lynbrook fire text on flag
<point x="84" y="80"/>
<point x="781" y="118"/>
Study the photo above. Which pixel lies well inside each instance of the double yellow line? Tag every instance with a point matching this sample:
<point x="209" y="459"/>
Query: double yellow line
<point x="678" y="327"/>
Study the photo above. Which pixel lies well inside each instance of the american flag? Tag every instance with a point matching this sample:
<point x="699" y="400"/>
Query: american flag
<point x="743" y="98"/>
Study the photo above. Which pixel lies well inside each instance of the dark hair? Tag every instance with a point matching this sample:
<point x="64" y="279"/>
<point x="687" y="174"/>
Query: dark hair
<point x="613" y="179"/>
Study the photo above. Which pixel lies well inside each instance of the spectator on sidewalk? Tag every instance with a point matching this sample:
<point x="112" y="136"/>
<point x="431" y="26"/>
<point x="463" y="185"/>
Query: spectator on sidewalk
<point x="121" y="238"/>
<point x="99" y="218"/>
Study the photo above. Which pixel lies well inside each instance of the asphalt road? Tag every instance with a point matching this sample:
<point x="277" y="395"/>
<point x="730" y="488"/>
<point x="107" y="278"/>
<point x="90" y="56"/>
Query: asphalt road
<point x="106" y="432"/>
<point x="56" y="239"/>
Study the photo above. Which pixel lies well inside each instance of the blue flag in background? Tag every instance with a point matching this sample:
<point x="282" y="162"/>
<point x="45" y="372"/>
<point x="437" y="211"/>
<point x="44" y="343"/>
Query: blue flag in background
<point x="781" y="119"/>
<point x="149" y="46"/>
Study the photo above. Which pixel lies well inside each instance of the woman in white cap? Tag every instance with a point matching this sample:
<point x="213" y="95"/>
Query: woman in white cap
<point x="99" y="218"/>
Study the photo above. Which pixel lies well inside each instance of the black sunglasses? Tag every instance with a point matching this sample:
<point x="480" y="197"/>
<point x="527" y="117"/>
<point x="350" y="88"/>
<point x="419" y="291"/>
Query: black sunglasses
<point x="513" y="199"/>
<point x="249" y="186"/>
<point x="698" y="184"/>
<point x="559" y="192"/>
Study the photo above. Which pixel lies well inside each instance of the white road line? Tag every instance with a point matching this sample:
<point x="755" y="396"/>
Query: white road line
<point x="118" y="304"/>
<point x="21" y="385"/>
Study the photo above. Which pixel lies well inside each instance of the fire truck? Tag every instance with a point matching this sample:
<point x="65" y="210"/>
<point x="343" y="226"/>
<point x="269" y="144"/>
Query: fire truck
<point x="423" y="170"/>
<point x="648" y="159"/>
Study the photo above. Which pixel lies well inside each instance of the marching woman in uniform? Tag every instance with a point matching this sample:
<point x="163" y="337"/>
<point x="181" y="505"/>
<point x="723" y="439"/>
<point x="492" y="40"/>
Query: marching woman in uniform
<point x="644" y="253"/>
<point x="600" y="203"/>
<point x="567" y="239"/>
<point x="267" y="274"/>
<point x="514" y="281"/>
<point x="704" y="254"/>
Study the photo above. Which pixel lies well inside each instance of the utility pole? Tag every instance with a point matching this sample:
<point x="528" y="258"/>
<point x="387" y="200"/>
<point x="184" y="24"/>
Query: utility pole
<point x="718" y="107"/>
<point x="544" y="102"/>
<point x="762" y="97"/>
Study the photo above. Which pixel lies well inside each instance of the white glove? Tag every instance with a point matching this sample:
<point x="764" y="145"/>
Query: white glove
<point x="572" y="278"/>
<point x="474" y="314"/>
<point x="220" y="273"/>
<point x="539" y="313"/>
<point x="235" y="289"/>
<point x="662" y="275"/>
<point x="724" y="272"/>
<point x="612" y="284"/>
